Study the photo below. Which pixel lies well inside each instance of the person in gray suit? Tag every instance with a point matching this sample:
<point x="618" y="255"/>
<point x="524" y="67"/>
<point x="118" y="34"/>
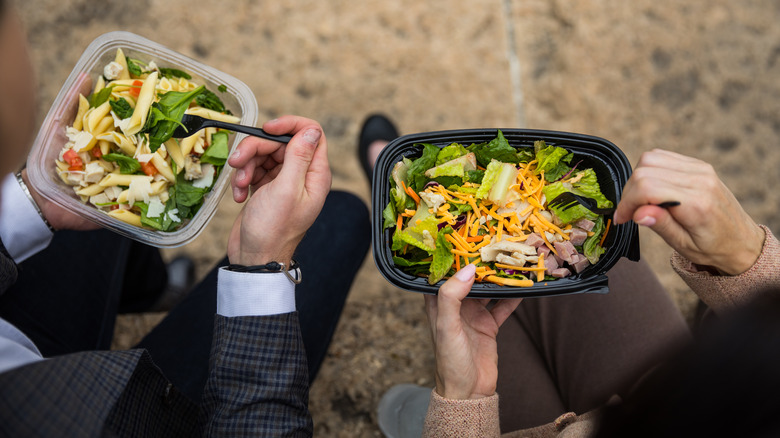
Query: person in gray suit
<point x="229" y="360"/>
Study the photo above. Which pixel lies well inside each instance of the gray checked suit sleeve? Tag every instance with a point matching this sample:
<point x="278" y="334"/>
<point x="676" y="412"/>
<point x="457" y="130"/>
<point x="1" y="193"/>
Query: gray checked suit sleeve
<point x="258" y="379"/>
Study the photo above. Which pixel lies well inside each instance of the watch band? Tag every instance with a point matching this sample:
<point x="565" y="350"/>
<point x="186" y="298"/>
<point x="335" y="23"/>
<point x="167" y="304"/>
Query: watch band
<point x="271" y="267"/>
<point x="26" y="191"/>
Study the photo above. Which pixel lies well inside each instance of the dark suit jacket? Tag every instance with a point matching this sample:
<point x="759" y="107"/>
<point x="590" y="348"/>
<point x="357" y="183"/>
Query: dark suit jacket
<point x="257" y="386"/>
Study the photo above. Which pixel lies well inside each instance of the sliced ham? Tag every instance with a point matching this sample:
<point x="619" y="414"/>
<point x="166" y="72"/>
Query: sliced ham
<point x="585" y="224"/>
<point x="543" y="250"/>
<point x="550" y="265"/>
<point x="561" y="272"/>
<point x="581" y="264"/>
<point x="565" y="250"/>
<point x="577" y="236"/>
<point x="535" y="240"/>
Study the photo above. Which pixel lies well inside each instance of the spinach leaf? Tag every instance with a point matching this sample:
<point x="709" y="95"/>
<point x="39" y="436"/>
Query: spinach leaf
<point x="134" y="67"/>
<point x="222" y="88"/>
<point x="152" y="222"/>
<point x="211" y="101"/>
<point x="166" y="114"/>
<point x="99" y="98"/>
<point x="174" y="73"/>
<point x="217" y="153"/>
<point x="127" y="165"/>
<point x="186" y="197"/>
<point x="121" y="108"/>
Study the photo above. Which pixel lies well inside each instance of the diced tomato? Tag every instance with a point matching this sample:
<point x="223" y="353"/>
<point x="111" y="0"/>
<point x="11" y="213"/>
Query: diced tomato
<point x="135" y="90"/>
<point x="96" y="152"/>
<point x="69" y="155"/>
<point x="149" y="168"/>
<point x="114" y="207"/>
<point x="72" y="158"/>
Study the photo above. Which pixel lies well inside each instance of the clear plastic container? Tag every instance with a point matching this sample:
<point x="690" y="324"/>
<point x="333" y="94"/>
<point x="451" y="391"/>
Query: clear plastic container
<point x="607" y="160"/>
<point x="238" y="98"/>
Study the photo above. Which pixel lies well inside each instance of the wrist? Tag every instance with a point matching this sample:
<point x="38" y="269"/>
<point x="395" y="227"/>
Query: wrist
<point x="35" y="199"/>
<point x="744" y="256"/>
<point x="253" y="259"/>
<point x="451" y="392"/>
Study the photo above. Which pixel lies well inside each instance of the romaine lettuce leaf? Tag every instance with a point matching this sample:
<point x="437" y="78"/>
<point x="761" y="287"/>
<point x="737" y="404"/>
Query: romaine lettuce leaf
<point x="553" y="160"/>
<point x="416" y="172"/>
<point x="451" y="152"/>
<point x="442" y="257"/>
<point x="455" y="167"/>
<point x="588" y="186"/>
<point x="591" y="247"/>
<point x="389" y="215"/>
<point x="568" y="215"/>
<point x="474" y="176"/>
<point x="495" y="185"/>
<point x="413" y="267"/>
<point x="422" y="235"/>
<point x="496" y="149"/>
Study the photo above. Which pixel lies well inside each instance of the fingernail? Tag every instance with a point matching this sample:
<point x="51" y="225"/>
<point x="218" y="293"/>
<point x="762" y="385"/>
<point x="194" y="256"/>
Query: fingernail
<point x="236" y="154"/>
<point x="240" y="175"/>
<point x="312" y="136"/>
<point x="236" y="192"/>
<point x="466" y="273"/>
<point x="647" y="221"/>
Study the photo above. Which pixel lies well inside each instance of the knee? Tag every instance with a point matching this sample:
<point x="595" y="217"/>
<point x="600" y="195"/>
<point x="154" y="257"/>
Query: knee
<point x="349" y="211"/>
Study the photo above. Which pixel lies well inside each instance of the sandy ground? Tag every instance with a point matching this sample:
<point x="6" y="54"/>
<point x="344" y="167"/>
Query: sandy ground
<point x="699" y="78"/>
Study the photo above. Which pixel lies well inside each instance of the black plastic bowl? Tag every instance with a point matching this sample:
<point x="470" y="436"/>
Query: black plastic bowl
<point x="606" y="159"/>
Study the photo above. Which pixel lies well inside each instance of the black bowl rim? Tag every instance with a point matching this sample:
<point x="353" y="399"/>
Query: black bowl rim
<point x="624" y="238"/>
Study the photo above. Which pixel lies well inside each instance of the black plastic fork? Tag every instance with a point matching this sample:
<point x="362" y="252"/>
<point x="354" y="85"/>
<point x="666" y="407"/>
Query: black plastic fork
<point x="193" y="124"/>
<point x="567" y="200"/>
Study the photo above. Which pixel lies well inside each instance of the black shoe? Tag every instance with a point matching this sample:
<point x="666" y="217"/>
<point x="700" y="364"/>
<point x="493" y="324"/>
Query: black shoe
<point x="181" y="278"/>
<point x="376" y="127"/>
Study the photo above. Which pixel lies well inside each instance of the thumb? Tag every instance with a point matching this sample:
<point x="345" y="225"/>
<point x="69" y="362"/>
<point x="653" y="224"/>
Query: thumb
<point x="454" y="290"/>
<point x="299" y="154"/>
<point x="660" y="221"/>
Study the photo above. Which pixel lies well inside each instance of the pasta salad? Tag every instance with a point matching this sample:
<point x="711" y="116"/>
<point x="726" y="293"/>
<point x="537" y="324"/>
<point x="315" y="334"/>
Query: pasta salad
<point x="120" y="156"/>
<point x="486" y="204"/>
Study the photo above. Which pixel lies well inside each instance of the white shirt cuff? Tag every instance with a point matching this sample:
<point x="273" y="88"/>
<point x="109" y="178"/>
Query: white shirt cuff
<point x="254" y="294"/>
<point x="21" y="228"/>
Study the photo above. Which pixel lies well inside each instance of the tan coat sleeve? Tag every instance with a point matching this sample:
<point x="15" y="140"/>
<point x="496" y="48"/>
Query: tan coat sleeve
<point x="462" y="418"/>
<point x="724" y="292"/>
<point x="479" y="418"/>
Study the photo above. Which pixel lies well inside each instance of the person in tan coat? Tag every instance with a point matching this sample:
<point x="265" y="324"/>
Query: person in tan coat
<point x="558" y="362"/>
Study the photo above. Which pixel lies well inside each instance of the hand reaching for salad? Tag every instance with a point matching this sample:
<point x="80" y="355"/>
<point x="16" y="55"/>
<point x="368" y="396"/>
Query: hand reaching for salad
<point x="286" y="186"/>
<point x="464" y="337"/>
<point x="709" y="228"/>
